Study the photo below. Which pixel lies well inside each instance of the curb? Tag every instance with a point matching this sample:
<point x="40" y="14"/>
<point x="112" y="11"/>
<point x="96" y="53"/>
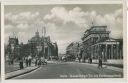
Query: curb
<point x="108" y="64"/>
<point x="114" y="65"/>
<point x="9" y="77"/>
<point x="14" y="70"/>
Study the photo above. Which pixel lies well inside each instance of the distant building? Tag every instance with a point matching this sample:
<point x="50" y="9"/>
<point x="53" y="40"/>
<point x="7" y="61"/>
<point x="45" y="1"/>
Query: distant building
<point x="97" y="43"/>
<point x="36" y="47"/>
<point x="12" y="50"/>
<point x="42" y="46"/>
<point x="72" y="50"/>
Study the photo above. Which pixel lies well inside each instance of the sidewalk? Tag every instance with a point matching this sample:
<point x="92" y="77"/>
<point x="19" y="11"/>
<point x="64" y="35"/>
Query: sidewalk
<point x="11" y="68"/>
<point x="114" y="63"/>
<point x="109" y="67"/>
<point x="20" y="72"/>
<point x="104" y="66"/>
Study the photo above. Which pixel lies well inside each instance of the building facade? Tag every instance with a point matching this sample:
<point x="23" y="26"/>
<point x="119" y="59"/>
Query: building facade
<point x="36" y="47"/>
<point x="97" y="43"/>
<point x="42" y="47"/>
<point x="12" y="50"/>
<point x="72" y="50"/>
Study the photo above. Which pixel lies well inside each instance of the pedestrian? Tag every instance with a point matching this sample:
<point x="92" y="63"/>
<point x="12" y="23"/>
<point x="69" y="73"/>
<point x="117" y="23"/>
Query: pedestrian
<point x="21" y="63"/>
<point x="100" y="63"/>
<point x="43" y="60"/>
<point x="90" y="60"/>
<point x="29" y="60"/>
<point x="36" y="61"/>
<point x="46" y="61"/>
<point x="79" y="59"/>
<point x="80" y="55"/>
<point x="26" y="61"/>
<point x="39" y="62"/>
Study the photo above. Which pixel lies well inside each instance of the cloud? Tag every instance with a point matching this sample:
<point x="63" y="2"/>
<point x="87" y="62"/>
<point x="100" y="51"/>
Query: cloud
<point x="118" y="13"/>
<point x="21" y="23"/>
<point x="75" y="15"/>
<point x="57" y="12"/>
<point x="23" y="26"/>
<point x="23" y="17"/>
<point x="9" y="27"/>
<point x="114" y="22"/>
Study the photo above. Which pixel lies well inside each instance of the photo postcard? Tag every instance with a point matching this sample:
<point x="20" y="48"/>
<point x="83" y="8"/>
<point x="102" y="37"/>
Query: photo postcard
<point x="64" y="41"/>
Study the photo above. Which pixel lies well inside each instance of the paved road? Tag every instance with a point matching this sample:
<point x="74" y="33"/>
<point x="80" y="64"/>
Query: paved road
<point x="69" y="70"/>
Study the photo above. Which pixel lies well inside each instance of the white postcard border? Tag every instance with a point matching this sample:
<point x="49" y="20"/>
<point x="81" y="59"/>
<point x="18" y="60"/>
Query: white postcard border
<point x="100" y="80"/>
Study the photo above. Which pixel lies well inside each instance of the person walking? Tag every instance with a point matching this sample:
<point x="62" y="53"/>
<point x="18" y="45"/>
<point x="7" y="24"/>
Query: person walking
<point x="21" y="63"/>
<point x="26" y="61"/>
<point x="90" y="60"/>
<point x="100" y="63"/>
<point x="36" y="61"/>
<point x="43" y="60"/>
<point x="39" y="62"/>
<point x="79" y="57"/>
<point x="29" y="60"/>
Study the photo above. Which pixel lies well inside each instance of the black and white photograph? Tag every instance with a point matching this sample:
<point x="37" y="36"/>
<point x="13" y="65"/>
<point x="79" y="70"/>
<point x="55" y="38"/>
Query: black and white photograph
<point x="0" y="42"/>
<point x="63" y="41"/>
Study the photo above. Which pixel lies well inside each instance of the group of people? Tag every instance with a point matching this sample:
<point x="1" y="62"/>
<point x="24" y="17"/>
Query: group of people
<point x="28" y="61"/>
<point x="40" y="61"/>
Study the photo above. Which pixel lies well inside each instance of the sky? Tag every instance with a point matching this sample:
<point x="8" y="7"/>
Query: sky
<point x="64" y="23"/>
